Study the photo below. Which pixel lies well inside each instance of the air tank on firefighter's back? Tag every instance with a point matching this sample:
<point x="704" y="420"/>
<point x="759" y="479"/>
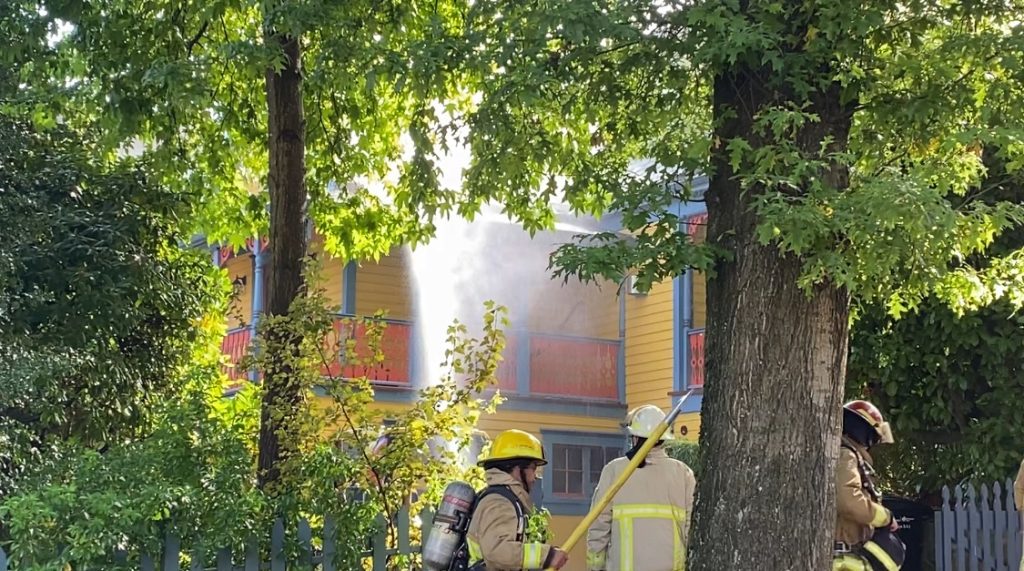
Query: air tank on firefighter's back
<point x="450" y="524"/>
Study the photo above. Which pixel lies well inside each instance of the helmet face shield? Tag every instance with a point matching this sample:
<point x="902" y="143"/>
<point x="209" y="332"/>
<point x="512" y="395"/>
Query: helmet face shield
<point x="884" y="433"/>
<point x="873" y="417"/>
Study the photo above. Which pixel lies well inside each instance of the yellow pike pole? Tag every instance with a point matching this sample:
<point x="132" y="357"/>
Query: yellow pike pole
<point x="584" y="525"/>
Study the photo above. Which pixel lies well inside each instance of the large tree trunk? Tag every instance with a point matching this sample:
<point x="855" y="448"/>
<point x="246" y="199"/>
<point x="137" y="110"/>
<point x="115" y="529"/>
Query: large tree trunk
<point x="286" y="146"/>
<point x="776" y="360"/>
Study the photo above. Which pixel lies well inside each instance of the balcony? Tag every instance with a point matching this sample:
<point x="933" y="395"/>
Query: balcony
<point x="696" y="341"/>
<point x="235" y="345"/>
<point x="572" y="366"/>
<point x="395" y="343"/>
<point x="539" y="364"/>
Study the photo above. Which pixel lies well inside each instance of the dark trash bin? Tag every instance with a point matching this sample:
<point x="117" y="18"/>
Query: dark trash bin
<point x="916" y="531"/>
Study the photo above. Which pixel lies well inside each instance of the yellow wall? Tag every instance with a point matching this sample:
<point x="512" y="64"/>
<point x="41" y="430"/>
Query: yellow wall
<point x="561" y="528"/>
<point x="332" y="272"/>
<point x="700" y="296"/>
<point x="333" y="281"/>
<point x="534" y="422"/>
<point x="240" y="310"/>
<point x="649" y="358"/>
<point x="386" y="285"/>
<point x="574" y="308"/>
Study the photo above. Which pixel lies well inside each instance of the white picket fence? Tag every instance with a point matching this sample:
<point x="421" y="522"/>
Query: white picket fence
<point x="978" y="529"/>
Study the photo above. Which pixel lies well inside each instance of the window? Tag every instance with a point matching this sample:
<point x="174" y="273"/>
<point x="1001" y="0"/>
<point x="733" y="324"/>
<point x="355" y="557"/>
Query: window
<point x="576" y="469"/>
<point x="576" y="461"/>
<point x="567" y="470"/>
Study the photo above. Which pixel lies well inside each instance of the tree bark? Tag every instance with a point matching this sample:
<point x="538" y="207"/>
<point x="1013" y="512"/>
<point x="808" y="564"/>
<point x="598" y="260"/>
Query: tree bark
<point x="287" y="171"/>
<point x="775" y="363"/>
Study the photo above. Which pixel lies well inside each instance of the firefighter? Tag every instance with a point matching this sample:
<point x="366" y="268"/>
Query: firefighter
<point x="499" y="532"/>
<point x="645" y="527"/>
<point x="864" y="539"/>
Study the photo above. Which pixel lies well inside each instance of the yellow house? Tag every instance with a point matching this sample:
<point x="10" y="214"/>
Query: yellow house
<point x="578" y="356"/>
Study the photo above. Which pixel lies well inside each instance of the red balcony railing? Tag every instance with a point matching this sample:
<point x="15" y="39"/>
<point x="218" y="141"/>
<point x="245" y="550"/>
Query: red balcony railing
<point x="395" y="345"/>
<point x="548" y="365"/>
<point x="572" y="366"/>
<point x="235" y="345"/>
<point x="696" y="340"/>
<point x="508" y="368"/>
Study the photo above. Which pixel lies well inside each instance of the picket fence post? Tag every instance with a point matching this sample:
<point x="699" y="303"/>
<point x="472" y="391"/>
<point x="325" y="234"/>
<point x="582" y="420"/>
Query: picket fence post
<point x="978" y="529"/>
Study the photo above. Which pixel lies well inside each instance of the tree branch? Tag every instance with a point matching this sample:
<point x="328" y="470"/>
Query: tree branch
<point x="195" y="39"/>
<point x="19" y="415"/>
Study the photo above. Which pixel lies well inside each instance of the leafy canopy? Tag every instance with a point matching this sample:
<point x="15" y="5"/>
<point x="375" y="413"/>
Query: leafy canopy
<point x="605" y="105"/>
<point x="606" y="102"/>
<point x="184" y="83"/>
<point x="951" y="383"/>
<point x="100" y="307"/>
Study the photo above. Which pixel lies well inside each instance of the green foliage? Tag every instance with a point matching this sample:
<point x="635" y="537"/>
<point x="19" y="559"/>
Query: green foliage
<point x="191" y="476"/>
<point x="538" y="526"/>
<point x="687" y="453"/>
<point x="100" y="309"/>
<point x="950" y="379"/>
<point x="184" y="82"/>
<point x="195" y="475"/>
<point x="608" y="105"/>
<point x="952" y="387"/>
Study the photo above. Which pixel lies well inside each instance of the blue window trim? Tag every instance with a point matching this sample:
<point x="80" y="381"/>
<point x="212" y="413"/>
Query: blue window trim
<point x="684" y="325"/>
<point x="620" y="373"/>
<point x="348" y="288"/>
<point x="682" y="306"/>
<point x="680" y="325"/>
<point x="260" y="259"/>
<point x="573" y="506"/>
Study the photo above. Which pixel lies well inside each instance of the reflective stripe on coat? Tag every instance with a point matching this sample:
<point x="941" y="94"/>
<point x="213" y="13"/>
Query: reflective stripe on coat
<point x="646" y="526"/>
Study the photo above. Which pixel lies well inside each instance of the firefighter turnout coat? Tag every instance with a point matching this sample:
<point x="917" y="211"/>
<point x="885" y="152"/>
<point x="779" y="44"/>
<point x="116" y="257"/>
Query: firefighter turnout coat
<point x="857" y="512"/>
<point x="645" y="527"/>
<point x="498" y="537"/>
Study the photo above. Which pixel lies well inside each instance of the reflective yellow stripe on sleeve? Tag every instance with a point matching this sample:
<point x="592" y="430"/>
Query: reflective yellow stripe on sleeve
<point x="596" y="560"/>
<point x="881" y="516"/>
<point x="475" y="553"/>
<point x="532" y="553"/>
<point x="678" y="552"/>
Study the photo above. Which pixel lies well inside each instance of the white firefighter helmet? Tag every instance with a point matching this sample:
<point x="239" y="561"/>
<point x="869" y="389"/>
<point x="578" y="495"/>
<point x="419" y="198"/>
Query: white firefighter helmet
<point x="643" y="420"/>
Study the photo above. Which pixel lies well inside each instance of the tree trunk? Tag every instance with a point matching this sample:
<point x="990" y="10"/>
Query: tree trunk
<point x="286" y="147"/>
<point x="776" y="360"/>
